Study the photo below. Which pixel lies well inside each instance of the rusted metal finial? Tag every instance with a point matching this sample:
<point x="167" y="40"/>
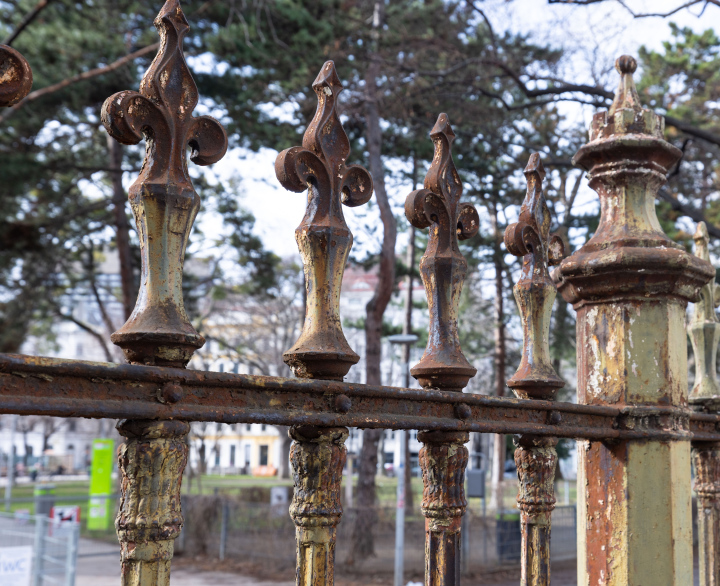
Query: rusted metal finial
<point x="535" y="292"/>
<point x="162" y="198"/>
<point x="16" y="77"/>
<point x="704" y="332"/>
<point x="626" y="96"/>
<point x="323" y="237"/>
<point x="443" y="268"/>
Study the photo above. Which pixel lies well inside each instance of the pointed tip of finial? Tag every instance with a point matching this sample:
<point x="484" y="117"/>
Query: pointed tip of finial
<point x="328" y="78"/>
<point x="172" y="11"/>
<point x="442" y="126"/>
<point x="535" y="167"/>
<point x="626" y="96"/>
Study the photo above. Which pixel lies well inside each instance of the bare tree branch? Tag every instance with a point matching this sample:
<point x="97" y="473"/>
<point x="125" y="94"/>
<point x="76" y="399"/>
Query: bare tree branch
<point x="29" y="17"/>
<point x="77" y="78"/>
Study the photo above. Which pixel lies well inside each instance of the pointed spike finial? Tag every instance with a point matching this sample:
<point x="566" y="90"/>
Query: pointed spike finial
<point x="323" y="237"/>
<point x="15" y="77"/>
<point x="703" y="329"/>
<point x="535" y="293"/>
<point x="162" y="198"/>
<point x="702" y="241"/>
<point x="626" y="96"/>
<point x="443" y="267"/>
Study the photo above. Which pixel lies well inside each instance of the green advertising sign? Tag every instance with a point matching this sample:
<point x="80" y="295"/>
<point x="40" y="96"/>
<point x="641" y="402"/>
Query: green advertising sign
<point x="103" y="455"/>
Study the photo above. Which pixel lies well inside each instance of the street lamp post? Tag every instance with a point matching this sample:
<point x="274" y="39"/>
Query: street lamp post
<point x="406" y="340"/>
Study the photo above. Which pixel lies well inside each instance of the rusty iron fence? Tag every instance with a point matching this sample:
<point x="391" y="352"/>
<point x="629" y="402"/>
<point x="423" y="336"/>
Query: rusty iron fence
<point x="630" y="285"/>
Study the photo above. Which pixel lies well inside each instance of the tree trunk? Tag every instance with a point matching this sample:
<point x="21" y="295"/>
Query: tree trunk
<point x="122" y="227"/>
<point x="498" y="460"/>
<point x="363" y="546"/>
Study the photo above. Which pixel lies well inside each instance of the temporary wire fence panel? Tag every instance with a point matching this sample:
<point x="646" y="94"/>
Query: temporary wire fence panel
<point x="53" y="549"/>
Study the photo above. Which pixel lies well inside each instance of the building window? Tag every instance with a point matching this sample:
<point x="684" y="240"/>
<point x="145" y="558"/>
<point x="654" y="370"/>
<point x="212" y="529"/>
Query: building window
<point x="263" y="455"/>
<point x="72" y="425"/>
<point x="232" y="456"/>
<point x="248" y="427"/>
<point x="217" y="457"/>
<point x="247" y="454"/>
<point x="263" y="427"/>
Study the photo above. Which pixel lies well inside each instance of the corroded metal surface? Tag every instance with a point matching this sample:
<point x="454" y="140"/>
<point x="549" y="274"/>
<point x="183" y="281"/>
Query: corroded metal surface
<point x="630" y="285"/>
<point x="442" y="267"/>
<point x="536" y="461"/>
<point x="323" y="237"/>
<point x="534" y="292"/>
<point x="158" y="332"/>
<point x="73" y="388"/>
<point x="443" y="459"/>
<point x="15" y="77"/>
<point x="535" y="457"/>
<point x="151" y="464"/>
<point x="707" y="486"/>
<point x="318" y="458"/>
<point x="162" y="198"/>
<point x="704" y="332"/>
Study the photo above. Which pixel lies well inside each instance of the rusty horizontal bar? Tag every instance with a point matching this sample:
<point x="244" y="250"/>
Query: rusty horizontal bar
<point x="72" y="388"/>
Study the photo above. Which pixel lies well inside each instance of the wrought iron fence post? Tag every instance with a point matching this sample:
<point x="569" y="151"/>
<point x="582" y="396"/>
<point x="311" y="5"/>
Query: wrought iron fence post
<point x="321" y="352"/>
<point x="159" y="332"/>
<point x="630" y="285"/>
<point x="704" y="333"/>
<point x="443" y="457"/>
<point x="535" y="457"/>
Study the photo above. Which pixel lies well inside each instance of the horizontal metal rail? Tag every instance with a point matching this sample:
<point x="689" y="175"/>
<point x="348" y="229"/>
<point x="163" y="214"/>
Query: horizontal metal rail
<point x="71" y="388"/>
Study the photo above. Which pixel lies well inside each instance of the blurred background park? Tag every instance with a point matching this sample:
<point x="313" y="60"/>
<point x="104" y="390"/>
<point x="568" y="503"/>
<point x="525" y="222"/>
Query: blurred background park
<point x="514" y="76"/>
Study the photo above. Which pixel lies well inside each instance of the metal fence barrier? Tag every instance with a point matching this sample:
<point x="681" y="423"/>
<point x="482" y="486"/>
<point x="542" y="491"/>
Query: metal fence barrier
<point x="53" y="549"/>
<point x="257" y="532"/>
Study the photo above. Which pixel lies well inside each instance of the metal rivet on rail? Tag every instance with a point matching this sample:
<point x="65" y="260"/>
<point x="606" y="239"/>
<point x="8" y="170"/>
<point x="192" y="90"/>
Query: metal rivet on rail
<point x="463" y="411"/>
<point x="170" y="393"/>
<point x="343" y="403"/>
<point x="554" y="418"/>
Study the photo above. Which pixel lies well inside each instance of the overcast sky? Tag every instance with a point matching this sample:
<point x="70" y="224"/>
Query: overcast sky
<point x="594" y="34"/>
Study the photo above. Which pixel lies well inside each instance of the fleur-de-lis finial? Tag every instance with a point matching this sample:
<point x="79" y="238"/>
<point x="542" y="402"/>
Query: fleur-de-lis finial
<point x="535" y="292"/>
<point x="323" y="237"/>
<point x="163" y="199"/>
<point x="443" y="267"/>
<point x="15" y="77"/>
<point x="704" y="332"/>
